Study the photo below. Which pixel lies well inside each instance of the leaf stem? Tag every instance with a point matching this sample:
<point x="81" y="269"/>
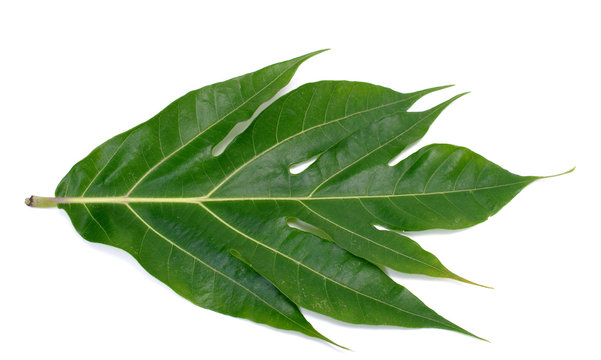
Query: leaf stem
<point x="43" y="202"/>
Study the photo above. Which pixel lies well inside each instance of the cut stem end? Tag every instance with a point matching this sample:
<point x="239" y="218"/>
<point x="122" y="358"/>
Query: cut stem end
<point x="42" y="202"/>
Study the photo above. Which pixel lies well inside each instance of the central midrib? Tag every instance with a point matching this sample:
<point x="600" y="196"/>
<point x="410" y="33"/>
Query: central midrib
<point x="205" y="199"/>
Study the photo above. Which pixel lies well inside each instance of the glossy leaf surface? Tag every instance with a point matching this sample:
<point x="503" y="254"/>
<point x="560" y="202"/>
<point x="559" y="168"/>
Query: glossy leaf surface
<point x="218" y="229"/>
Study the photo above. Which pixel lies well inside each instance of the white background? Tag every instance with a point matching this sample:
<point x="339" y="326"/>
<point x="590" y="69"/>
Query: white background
<point x="74" y="74"/>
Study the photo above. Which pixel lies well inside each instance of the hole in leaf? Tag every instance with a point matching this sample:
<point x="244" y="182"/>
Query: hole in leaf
<point x="241" y="126"/>
<point x="384" y="228"/>
<point x="380" y="227"/>
<point x="298" y="224"/>
<point x="302" y="166"/>
<point x="395" y="160"/>
<point x="404" y="153"/>
<point x="236" y="130"/>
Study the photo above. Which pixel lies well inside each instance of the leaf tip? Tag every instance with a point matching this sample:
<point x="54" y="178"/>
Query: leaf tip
<point x="565" y="172"/>
<point x="311" y="54"/>
<point x="474" y="336"/>
<point x="440" y="107"/>
<point x="448" y="102"/>
<point x="431" y="90"/>
<point x="340" y="346"/>
<point x="556" y="175"/>
<point x="322" y="337"/>
<point x="473" y="283"/>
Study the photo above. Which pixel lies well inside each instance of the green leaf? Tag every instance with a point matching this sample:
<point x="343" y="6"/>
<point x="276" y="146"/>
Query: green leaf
<point x="240" y="234"/>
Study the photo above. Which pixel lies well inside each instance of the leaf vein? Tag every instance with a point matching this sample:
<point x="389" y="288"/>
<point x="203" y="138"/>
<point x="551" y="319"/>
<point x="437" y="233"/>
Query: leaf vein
<point x="300" y="133"/>
<point x="206" y="129"/>
<point x="228" y="225"/>
<point x="370" y="240"/>
<point x="215" y="271"/>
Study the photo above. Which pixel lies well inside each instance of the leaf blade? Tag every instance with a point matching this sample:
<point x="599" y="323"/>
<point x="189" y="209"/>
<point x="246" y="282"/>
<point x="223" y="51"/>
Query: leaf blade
<point x="159" y="192"/>
<point x="421" y="192"/>
<point x="237" y="280"/>
<point x="409" y="312"/>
